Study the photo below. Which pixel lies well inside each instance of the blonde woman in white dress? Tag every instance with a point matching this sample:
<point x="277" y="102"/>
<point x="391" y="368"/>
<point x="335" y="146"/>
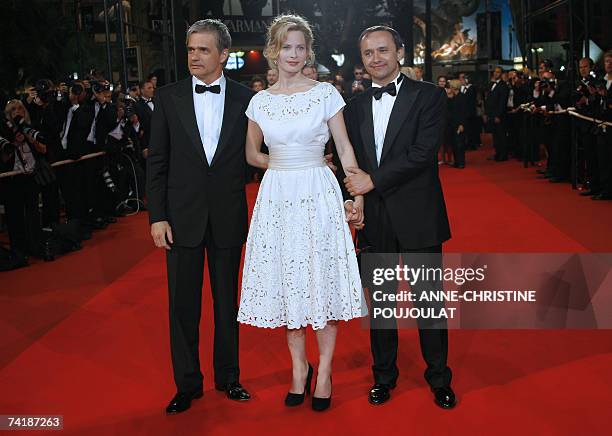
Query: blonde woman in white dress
<point x="300" y="266"/>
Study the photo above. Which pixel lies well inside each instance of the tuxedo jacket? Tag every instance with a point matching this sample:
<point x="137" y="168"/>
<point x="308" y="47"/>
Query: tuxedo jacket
<point x="80" y="126"/>
<point x="497" y="100"/>
<point x="470" y="101"/>
<point x="182" y="188"/>
<point x="406" y="181"/>
<point x="106" y="121"/>
<point x="145" y="115"/>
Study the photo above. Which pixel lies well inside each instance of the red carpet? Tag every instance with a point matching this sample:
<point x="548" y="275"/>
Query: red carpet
<point x="87" y="337"/>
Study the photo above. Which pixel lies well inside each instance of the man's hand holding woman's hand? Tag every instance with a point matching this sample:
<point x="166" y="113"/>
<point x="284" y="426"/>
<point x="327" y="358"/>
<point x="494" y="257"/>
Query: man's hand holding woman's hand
<point x="354" y="212"/>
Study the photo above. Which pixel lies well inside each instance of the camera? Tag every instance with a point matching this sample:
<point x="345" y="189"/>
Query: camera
<point x="99" y="87"/>
<point x="129" y="107"/>
<point x="44" y="90"/>
<point x="582" y="90"/>
<point x="598" y="83"/>
<point x="77" y="89"/>
<point x="18" y="125"/>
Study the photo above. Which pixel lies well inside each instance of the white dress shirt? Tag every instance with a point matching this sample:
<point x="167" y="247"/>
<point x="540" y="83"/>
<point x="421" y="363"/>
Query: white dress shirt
<point x="209" y="109"/>
<point x="67" y="126"/>
<point x="608" y="78"/>
<point x="510" y="98"/>
<point x="381" y="111"/>
<point x="92" y="132"/>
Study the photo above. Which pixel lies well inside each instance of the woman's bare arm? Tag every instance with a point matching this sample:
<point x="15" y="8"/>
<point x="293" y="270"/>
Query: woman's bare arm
<point x="254" y="139"/>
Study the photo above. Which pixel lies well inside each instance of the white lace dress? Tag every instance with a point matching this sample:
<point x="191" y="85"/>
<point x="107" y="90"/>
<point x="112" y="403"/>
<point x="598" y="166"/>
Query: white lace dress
<point x="300" y="266"/>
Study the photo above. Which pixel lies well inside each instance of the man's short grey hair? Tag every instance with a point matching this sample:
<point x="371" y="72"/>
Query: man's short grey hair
<point x="224" y="39"/>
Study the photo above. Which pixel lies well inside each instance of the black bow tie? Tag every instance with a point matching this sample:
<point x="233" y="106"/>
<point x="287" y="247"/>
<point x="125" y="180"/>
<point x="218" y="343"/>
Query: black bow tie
<point x="215" y="89"/>
<point x="389" y="89"/>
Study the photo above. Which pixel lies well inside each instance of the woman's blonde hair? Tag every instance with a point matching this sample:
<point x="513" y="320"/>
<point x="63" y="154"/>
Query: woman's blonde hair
<point x="277" y="33"/>
<point x="11" y="104"/>
<point x="454" y="84"/>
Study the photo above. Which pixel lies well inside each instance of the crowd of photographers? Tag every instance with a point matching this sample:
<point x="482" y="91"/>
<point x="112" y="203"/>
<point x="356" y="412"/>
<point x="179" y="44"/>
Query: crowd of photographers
<point x="104" y="129"/>
<point x="528" y="116"/>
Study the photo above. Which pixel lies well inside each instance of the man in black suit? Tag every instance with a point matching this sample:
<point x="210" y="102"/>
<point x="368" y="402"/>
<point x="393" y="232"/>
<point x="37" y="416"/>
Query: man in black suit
<point x="144" y="108"/>
<point x="472" y="124"/>
<point x="495" y="111"/>
<point x="196" y="190"/>
<point x="76" y="128"/>
<point x="560" y="147"/>
<point x="396" y="129"/>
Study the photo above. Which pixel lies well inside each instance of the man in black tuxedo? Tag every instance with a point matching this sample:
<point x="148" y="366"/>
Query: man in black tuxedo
<point x="196" y="190"/>
<point x="144" y="108"/>
<point x="396" y="129"/>
<point x="495" y="112"/>
<point x="76" y="128"/>
<point x="472" y="124"/>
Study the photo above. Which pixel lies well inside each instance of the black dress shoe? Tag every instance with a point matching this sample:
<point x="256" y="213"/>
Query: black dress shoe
<point x="379" y="394"/>
<point x="602" y="197"/>
<point x="444" y="397"/>
<point x="182" y="401"/>
<point x="588" y="193"/>
<point x="292" y="400"/>
<point x="320" y="404"/>
<point x="234" y="391"/>
<point x="110" y="219"/>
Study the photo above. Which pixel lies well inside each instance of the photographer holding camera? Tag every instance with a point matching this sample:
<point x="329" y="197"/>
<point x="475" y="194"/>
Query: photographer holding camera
<point x="584" y="97"/>
<point x="543" y="95"/>
<point x="126" y="141"/>
<point x="603" y="111"/>
<point x="20" y="147"/>
<point x="73" y="177"/>
<point x="99" y="185"/>
<point x="46" y="109"/>
<point x="559" y="94"/>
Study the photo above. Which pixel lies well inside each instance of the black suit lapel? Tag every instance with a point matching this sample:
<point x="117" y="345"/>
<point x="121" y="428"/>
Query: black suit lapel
<point x="231" y="113"/>
<point x="366" y="126"/>
<point x="186" y="112"/>
<point x="406" y="98"/>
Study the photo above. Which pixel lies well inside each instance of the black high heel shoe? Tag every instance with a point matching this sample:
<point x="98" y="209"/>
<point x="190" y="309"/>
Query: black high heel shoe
<point x="321" y="404"/>
<point x="292" y="400"/>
